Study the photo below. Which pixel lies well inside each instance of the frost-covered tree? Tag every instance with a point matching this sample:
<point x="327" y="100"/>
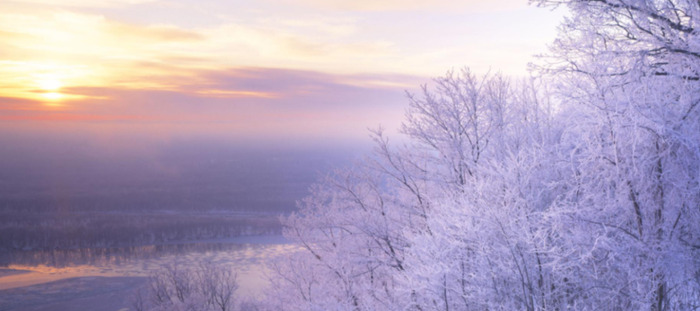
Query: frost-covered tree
<point x="441" y="222"/>
<point x="351" y="231"/>
<point x="485" y="247"/>
<point x="627" y="73"/>
<point x="206" y="287"/>
<point x="507" y="198"/>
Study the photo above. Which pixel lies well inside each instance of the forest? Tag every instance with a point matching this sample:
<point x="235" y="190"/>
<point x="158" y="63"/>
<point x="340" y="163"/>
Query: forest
<point x="575" y="189"/>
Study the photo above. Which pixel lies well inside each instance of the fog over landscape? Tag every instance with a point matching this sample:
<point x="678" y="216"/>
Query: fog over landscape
<point x="298" y="155"/>
<point x="120" y="189"/>
<point x="71" y="171"/>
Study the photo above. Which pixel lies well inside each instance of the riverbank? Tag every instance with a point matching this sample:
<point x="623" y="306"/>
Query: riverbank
<point x="71" y="279"/>
<point x="95" y="293"/>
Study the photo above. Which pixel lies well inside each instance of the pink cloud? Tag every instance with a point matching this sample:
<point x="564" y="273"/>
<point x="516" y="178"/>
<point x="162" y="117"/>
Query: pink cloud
<point x="248" y="100"/>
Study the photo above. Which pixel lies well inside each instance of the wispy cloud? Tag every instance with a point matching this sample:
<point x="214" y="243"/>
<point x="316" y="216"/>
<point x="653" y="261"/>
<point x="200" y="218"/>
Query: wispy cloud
<point x="250" y="100"/>
<point x="263" y="65"/>
<point x="82" y="3"/>
<point x="412" y="5"/>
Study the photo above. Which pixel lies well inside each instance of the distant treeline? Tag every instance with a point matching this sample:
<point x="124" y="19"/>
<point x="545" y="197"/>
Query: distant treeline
<point x="200" y="200"/>
<point x="81" y="229"/>
<point x="105" y="256"/>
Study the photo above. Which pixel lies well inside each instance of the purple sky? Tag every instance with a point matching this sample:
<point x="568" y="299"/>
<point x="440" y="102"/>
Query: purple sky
<point x="302" y="68"/>
<point x="212" y="103"/>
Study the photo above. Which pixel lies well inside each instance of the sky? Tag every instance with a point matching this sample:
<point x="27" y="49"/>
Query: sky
<point x="224" y="103"/>
<point x="303" y="69"/>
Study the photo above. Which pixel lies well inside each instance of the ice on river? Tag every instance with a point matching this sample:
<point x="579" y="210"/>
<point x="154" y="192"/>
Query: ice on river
<point x="34" y="277"/>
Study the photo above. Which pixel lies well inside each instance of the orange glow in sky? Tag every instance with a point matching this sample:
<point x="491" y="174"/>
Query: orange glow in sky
<point x="180" y="59"/>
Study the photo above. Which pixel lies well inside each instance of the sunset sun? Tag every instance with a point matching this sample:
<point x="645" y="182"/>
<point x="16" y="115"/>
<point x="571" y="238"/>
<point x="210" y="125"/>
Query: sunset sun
<point x="362" y="155"/>
<point x="49" y="84"/>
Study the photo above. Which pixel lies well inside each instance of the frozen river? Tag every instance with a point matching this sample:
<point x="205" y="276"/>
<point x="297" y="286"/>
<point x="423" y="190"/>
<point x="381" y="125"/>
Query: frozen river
<point x="51" y="280"/>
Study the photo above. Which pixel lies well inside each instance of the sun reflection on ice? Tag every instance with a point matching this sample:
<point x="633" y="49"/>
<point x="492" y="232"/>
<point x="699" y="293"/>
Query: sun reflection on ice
<point x="246" y="255"/>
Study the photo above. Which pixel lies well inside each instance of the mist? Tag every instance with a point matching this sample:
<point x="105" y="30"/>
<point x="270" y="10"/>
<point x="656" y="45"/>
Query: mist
<point x="78" y="168"/>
